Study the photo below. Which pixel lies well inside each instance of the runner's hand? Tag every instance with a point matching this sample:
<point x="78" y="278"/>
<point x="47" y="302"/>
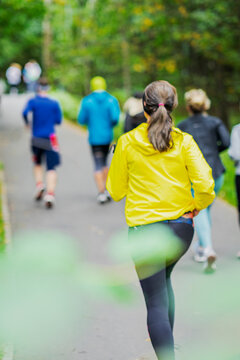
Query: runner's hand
<point x="195" y="212"/>
<point x="191" y="214"/>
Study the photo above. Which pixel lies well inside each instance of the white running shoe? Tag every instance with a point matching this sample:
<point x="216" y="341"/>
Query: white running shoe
<point x="39" y="192"/>
<point x="210" y="264"/>
<point x="199" y="255"/>
<point x="107" y="195"/>
<point x="49" y="201"/>
<point x="102" y="198"/>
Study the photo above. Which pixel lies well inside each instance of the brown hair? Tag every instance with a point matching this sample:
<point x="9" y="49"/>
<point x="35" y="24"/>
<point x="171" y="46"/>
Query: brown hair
<point x="159" y="100"/>
<point x="42" y="81"/>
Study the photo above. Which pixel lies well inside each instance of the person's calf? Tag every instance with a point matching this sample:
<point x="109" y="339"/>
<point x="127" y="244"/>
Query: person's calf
<point x="51" y="181"/>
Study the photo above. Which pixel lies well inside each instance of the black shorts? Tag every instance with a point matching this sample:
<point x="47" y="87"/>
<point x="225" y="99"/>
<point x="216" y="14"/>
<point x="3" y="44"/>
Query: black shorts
<point x="51" y="157"/>
<point x="100" y="153"/>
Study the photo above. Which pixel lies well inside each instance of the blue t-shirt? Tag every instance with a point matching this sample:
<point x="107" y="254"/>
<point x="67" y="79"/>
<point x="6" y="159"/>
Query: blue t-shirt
<point x="46" y="114"/>
<point x="100" y="112"/>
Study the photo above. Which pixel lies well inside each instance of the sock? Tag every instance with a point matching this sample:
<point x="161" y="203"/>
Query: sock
<point x="50" y="193"/>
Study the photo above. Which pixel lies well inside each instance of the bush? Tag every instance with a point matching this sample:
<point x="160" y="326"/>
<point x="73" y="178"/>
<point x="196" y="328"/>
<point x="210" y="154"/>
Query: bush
<point x="69" y="103"/>
<point x="228" y="192"/>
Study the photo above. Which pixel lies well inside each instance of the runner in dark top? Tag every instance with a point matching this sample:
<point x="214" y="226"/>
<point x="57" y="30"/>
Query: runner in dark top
<point x="212" y="137"/>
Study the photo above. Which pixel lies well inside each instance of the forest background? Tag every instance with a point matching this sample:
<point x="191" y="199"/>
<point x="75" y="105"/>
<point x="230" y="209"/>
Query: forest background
<point x="191" y="43"/>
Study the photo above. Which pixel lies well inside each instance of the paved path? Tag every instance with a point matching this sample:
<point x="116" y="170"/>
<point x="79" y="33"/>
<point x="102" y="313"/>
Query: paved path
<point x="116" y="332"/>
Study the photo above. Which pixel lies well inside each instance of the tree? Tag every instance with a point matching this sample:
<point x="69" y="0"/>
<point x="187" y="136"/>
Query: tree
<point x="20" y="31"/>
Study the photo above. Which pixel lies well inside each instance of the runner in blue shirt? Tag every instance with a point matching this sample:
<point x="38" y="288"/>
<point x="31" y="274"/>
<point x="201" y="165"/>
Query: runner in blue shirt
<point x="46" y="113"/>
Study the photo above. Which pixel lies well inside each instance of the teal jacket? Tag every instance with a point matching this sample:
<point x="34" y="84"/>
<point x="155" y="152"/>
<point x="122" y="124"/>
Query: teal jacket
<point x="100" y="112"/>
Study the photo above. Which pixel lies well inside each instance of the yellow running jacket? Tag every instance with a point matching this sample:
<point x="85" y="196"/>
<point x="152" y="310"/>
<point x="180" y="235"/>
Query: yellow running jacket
<point x="157" y="185"/>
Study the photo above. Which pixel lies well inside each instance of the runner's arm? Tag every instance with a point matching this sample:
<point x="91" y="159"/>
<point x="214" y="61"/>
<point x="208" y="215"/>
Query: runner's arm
<point x="234" y="150"/>
<point x="25" y="112"/>
<point x="58" y="114"/>
<point x="83" y="113"/>
<point x="200" y="174"/>
<point x="223" y="137"/>
<point x="117" y="181"/>
<point x="114" y="111"/>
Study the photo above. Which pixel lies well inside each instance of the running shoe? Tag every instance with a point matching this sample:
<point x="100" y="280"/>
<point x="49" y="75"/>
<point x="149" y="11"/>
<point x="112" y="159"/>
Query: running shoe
<point x="210" y="264"/>
<point x="102" y="198"/>
<point x="39" y="192"/>
<point x="49" y="201"/>
<point x="107" y="195"/>
<point x="200" y="255"/>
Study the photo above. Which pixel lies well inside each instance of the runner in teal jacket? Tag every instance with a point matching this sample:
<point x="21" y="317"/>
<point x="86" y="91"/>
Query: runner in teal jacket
<point x="100" y="112"/>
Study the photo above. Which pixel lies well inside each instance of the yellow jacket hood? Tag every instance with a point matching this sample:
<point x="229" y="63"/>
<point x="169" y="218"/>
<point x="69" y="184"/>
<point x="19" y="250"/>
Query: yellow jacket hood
<point x="139" y="139"/>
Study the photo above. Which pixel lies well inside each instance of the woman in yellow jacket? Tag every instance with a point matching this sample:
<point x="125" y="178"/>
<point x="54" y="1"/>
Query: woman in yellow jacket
<point x="154" y="166"/>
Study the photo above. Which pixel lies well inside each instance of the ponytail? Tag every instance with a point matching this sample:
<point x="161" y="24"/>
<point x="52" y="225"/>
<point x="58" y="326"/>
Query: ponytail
<point x="159" y="129"/>
<point x="159" y="99"/>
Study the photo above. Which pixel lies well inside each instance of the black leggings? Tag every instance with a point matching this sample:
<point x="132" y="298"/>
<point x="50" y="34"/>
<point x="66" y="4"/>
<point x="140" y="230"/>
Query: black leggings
<point x="237" y="182"/>
<point x="159" y="297"/>
<point x="100" y="154"/>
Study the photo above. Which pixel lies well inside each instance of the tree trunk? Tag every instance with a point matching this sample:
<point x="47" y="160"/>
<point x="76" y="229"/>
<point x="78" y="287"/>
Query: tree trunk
<point x="47" y="37"/>
<point x="221" y="94"/>
<point x="126" y="65"/>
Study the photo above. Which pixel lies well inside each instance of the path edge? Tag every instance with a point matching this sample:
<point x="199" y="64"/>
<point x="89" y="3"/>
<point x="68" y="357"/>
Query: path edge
<point x="7" y="348"/>
<point x="5" y="211"/>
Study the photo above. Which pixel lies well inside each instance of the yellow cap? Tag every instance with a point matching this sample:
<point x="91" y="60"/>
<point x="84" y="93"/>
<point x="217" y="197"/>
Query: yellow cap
<point x="98" y="83"/>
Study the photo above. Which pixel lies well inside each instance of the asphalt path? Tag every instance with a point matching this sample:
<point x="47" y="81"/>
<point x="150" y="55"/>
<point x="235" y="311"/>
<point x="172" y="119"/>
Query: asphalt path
<point x="207" y="320"/>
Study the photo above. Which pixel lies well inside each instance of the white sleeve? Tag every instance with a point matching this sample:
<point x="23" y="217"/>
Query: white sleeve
<point x="234" y="150"/>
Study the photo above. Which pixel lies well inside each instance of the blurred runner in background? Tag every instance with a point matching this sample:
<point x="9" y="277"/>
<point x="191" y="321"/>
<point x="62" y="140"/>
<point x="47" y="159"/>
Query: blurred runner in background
<point x="46" y="113"/>
<point x="31" y="74"/>
<point x="234" y="153"/>
<point x="100" y="112"/>
<point x="134" y="112"/>
<point x="212" y="137"/>
<point x="13" y="75"/>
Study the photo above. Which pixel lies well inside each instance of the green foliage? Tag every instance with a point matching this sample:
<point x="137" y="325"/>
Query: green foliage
<point x="20" y="31"/>
<point x="48" y="266"/>
<point x="133" y="43"/>
<point x="118" y="130"/>
<point x="69" y="104"/>
<point x="192" y="43"/>
<point x="228" y="192"/>
<point x="121" y="95"/>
